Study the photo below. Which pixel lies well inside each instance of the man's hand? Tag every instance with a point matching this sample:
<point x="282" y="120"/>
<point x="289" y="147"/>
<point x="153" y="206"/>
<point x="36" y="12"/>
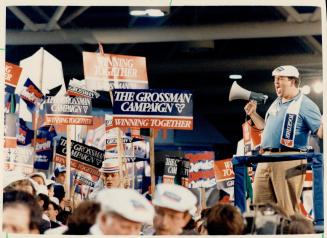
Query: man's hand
<point x="250" y="107"/>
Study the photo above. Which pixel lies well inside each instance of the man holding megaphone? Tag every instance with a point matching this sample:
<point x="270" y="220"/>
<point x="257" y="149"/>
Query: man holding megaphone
<point x="286" y="127"/>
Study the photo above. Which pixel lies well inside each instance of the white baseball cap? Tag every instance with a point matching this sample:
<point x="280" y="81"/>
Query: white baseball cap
<point x="49" y="182"/>
<point x="127" y="203"/>
<point x="286" y="70"/>
<point x="110" y="166"/>
<point x="40" y="174"/>
<point x="174" y="197"/>
<point x="12" y="176"/>
<point x="54" y="200"/>
<point x="42" y="189"/>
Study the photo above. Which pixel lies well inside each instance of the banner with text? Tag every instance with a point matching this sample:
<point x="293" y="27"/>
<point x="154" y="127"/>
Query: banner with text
<point x="224" y="173"/>
<point x="84" y="158"/>
<point x="68" y="110"/>
<point x="12" y="74"/>
<point x="201" y="173"/>
<point x="108" y="71"/>
<point x="78" y="91"/>
<point x="169" y="109"/>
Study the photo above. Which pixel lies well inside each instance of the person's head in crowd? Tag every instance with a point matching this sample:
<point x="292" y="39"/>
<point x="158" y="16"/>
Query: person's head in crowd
<point x="49" y="183"/>
<point x="110" y="173"/>
<point x="300" y="225"/>
<point x="38" y="177"/>
<point x="202" y="222"/>
<point x="60" y="174"/>
<point x="286" y="80"/>
<point x="13" y="180"/>
<point x="123" y="212"/>
<point x="83" y="218"/>
<point x="21" y="213"/>
<point x="224" y="219"/>
<point x="173" y="204"/>
<point x="53" y="209"/>
<point x="43" y="197"/>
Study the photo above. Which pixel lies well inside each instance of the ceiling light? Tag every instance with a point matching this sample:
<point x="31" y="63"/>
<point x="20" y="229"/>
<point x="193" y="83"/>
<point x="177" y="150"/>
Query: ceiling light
<point x="235" y="76"/>
<point x="137" y="13"/>
<point x="305" y="89"/>
<point x="154" y="12"/>
<point x="317" y="87"/>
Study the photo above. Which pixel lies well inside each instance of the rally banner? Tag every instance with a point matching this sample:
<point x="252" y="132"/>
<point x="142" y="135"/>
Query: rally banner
<point x="68" y="110"/>
<point x="77" y="91"/>
<point x="251" y="137"/>
<point x="31" y="94"/>
<point x="201" y="173"/>
<point x="12" y="74"/>
<point x="109" y="71"/>
<point x="43" y="147"/>
<point x="80" y="178"/>
<point x="84" y="158"/>
<point x="168" y="109"/>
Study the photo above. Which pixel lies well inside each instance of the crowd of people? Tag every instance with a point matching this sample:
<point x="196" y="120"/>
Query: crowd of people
<point x="37" y="205"/>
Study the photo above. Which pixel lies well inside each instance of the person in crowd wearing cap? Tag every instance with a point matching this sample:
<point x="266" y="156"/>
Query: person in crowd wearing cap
<point x="287" y="125"/>
<point x="38" y="177"/>
<point x="53" y="211"/>
<point x="14" y="180"/>
<point x="110" y="176"/>
<point x="43" y="201"/>
<point x="123" y="211"/>
<point x="60" y="177"/>
<point x="224" y="219"/>
<point x="173" y="204"/>
<point x="50" y="185"/>
<point x="21" y="213"/>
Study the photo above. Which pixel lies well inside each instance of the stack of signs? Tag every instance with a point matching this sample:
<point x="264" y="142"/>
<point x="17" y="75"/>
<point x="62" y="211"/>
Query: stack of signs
<point x="108" y="71"/>
<point x="161" y="109"/>
<point x="68" y="110"/>
<point x="225" y="175"/>
<point x="201" y="173"/>
<point x="12" y="74"/>
<point x="84" y="158"/>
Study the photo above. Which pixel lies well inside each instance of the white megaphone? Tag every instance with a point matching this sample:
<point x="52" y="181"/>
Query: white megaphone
<point x="237" y="92"/>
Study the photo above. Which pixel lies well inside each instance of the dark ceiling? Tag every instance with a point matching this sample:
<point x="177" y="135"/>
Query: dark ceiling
<point x="191" y="48"/>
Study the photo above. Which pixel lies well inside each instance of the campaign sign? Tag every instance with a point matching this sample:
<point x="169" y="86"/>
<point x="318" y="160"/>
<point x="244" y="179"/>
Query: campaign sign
<point x="169" y="109"/>
<point x="224" y="173"/>
<point x="84" y="158"/>
<point x="81" y="92"/>
<point x="12" y="73"/>
<point x="109" y="71"/>
<point x="68" y="111"/>
<point x="31" y="94"/>
<point x="201" y="173"/>
<point x="170" y="171"/>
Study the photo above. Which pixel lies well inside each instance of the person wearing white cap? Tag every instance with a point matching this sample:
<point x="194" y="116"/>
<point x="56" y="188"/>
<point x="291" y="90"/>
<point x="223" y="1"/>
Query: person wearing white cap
<point x="123" y="212"/>
<point x="173" y="204"/>
<point x="110" y="176"/>
<point x="38" y="177"/>
<point x="53" y="211"/>
<point x="286" y="127"/>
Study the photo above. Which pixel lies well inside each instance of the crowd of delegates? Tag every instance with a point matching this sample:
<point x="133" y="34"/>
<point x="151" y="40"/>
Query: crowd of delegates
<point x="37" y="205"/>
